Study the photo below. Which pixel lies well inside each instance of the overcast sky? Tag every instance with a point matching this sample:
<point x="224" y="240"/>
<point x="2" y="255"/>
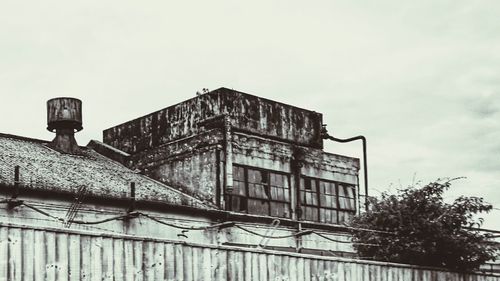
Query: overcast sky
<point x="419" y="79"/>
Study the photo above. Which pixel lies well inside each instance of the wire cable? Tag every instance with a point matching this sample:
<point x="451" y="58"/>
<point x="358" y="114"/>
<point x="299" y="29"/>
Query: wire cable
<point x="346" y="242"/>
<point x="75" y="221"/>
<point x="137" y="214"/>
<point x="271" y="237"/>
<point x="186" y="227"/>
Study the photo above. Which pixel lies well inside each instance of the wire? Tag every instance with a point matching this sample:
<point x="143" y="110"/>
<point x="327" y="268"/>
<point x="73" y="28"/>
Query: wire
<point x="186" y="227"/>
<point x="75" y="221"/>
<point x="369" y="230"/>
<point x="346" y="242"/>
<point x="137" y="214"/>
<point x="217" y="225"/>
<point x="271" y="237"/>
<point x="42" y="212"/>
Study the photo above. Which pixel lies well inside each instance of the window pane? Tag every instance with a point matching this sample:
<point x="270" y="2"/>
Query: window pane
<point x="333" y="216"/>
<point x="257" y="190"/>
<point x="307" y="184"/>
<point x="328" y="216"/>
<point x="344" y="217"/>
<point x="350" y="191"/>
<point x="314" y="199"/>
<point x="280" y="210"/>
<point x="347" y="203"/>
<point x="238" y="204"/>
<point x="280" y="189"/>
<point x="346" y="191"/>
<point x="239" y="181"/>
<point x="286" y="195"/>
<point x="314" y="185"/>
<point x="238" y="173"/>
<point x="277" y="193"/>
<point x="258" y="207"/>
<point x="342" y="190"/>
<point x="239" y="188"/>
<point x="342" y="202"/>
<point x="333" y="189"/>
<point x="327" y="187"/>
<point x="310" y="213"/>
<point x="254" y="176"/>
<point x="277" y="179"/>
<point x="274" y="193"/>
<point x="311" y="198"/>
<point x="322" y="215"/>
<point x="328" y="201"/>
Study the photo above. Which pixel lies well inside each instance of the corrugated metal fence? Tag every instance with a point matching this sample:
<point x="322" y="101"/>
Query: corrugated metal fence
<point x="51" y="254"/>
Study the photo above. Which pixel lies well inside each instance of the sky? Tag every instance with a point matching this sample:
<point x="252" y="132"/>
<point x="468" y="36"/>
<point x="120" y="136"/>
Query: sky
<point x="419" y="79"/>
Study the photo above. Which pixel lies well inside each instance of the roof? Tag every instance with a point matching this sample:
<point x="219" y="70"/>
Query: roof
<point x="246" y="113"/>
<point x="46" y="169"/>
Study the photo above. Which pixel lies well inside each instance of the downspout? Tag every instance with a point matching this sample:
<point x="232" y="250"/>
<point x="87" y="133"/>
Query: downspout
<point x="228" y="147"/>
<point x="325" y="135"/>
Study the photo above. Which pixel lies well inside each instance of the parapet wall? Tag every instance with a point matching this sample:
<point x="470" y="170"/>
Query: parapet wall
<point x="247" y="113"/>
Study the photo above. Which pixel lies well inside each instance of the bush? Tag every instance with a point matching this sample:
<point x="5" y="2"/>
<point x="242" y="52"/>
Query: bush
<point x="424" y="230"/>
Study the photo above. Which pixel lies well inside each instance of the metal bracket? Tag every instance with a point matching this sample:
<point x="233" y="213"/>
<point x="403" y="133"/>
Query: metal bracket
<point x="132" y="206"/>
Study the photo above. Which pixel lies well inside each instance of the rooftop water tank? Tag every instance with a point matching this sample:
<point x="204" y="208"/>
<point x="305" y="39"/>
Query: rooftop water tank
<point x="64" y="113"/>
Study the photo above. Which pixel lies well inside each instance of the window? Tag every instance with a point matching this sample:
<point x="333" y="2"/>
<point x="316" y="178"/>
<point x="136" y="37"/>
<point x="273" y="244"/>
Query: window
<point x="267" y="193"/>
<point x="260" y="192"/>
<point x="326" y="201"/>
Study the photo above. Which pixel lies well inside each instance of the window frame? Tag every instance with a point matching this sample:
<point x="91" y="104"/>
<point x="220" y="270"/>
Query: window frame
<point x="269" y="200"/>
<point x="302" y="191"/>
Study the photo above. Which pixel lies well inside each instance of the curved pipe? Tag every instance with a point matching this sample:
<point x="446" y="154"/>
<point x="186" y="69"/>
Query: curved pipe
<point x="365" y="165"/>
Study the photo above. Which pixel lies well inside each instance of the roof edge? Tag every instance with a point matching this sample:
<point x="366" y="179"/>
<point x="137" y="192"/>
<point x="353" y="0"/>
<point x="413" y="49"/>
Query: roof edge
<point x="17" y="137"/>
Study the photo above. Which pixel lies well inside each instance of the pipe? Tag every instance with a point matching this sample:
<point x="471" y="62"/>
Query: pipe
<point x="228" y="190"/>
<point x="325" y="135"/>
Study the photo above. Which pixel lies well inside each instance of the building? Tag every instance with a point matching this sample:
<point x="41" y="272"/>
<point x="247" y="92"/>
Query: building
<point x="245" y="154"/>
<point x="236" y="184"/>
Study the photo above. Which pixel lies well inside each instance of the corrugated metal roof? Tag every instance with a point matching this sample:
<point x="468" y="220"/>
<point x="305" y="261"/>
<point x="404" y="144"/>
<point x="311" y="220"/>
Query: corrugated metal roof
<point x="44" y="168"/>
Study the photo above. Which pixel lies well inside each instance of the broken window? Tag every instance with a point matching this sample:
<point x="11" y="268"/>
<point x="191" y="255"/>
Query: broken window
<point x="260" y="192"/>
<point x="264" y="192"/>
<point x="326" y="201"/>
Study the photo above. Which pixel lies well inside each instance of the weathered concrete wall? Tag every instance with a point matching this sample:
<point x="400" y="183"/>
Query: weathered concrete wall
<point x="150" y="159"/>
<point x="248" y="112"/>
<point x="267" y="154"/>
<point x="195" y="165"/>
<point x="191" y="165"/>
<point x="278" y="156"/>
<point x="195" y="174"/>
<point x="187" y="145"/>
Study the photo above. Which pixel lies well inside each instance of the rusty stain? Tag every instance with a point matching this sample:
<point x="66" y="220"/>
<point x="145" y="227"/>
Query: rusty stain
<point x="246" y="111"/>
<point x="178" y="145"/>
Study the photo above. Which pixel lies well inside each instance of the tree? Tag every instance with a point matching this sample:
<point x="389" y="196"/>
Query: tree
<point x="416" y="226"/>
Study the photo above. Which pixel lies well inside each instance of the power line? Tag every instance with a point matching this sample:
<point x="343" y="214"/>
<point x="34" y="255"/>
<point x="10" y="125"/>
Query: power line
<point x="135" y="214"/>
<point x="132" y="215"/>
<point x="218" y="225"/>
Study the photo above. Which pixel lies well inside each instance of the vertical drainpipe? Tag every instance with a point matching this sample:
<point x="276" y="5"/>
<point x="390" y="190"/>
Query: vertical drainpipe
<point x="296" y="164"/>
<point x="219" y="178"/>
<point x="229" y="161"/>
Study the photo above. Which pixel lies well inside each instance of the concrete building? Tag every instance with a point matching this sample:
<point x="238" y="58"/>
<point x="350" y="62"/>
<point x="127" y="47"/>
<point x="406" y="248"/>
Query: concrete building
<point x="245" y="154"/>
<point x="221" y="185"/>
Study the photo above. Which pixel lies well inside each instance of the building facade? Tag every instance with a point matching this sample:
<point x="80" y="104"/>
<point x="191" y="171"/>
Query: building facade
<point x="225" y="185"/>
